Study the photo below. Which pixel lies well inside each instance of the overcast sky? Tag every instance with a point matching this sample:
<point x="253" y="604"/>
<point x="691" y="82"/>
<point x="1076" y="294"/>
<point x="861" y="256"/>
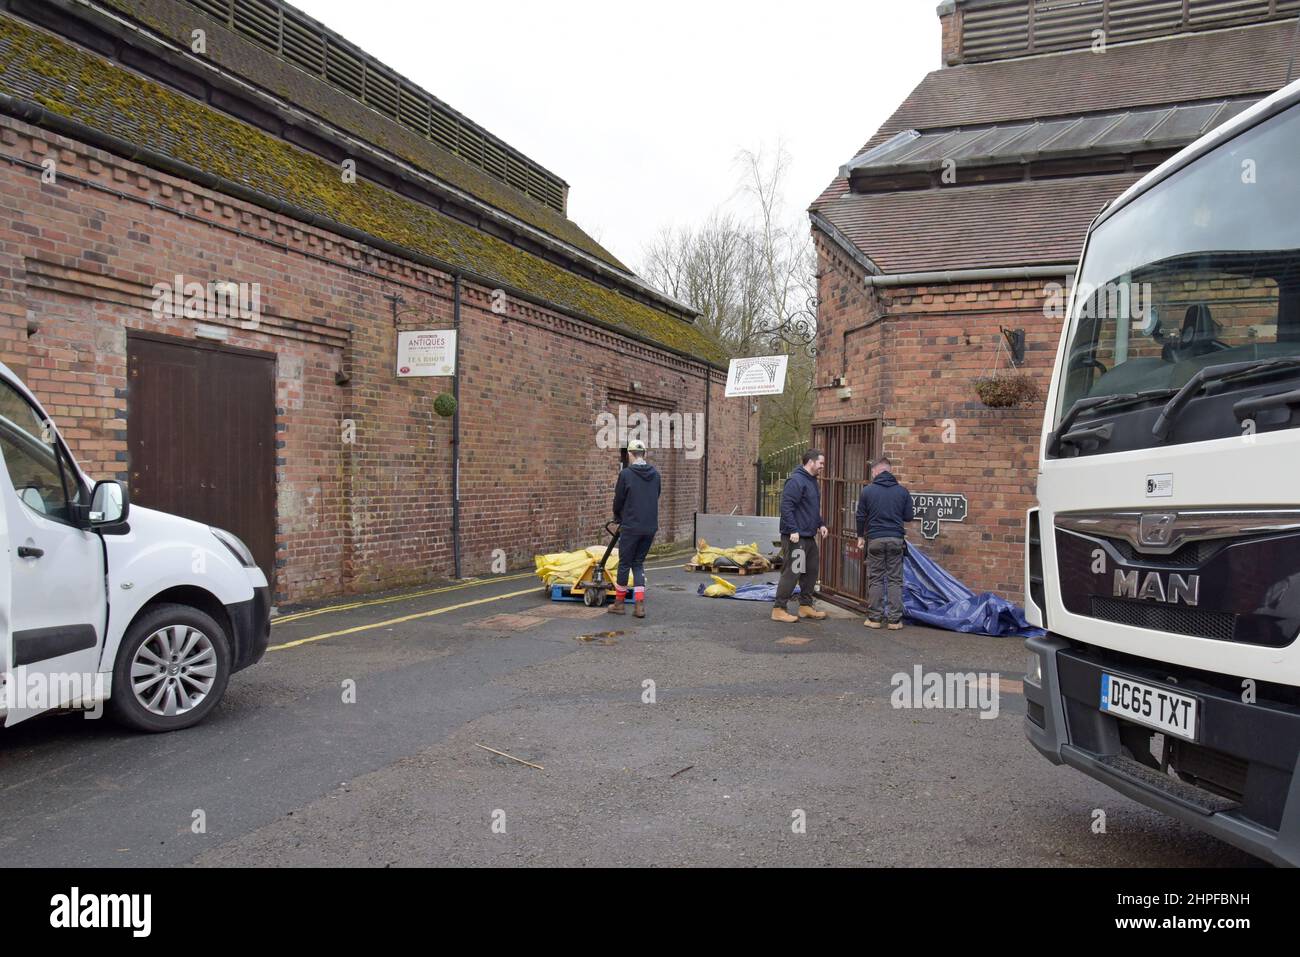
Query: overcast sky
<point x="642" y="108"/>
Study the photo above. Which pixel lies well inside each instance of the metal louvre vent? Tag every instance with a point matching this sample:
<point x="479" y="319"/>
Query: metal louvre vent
<point x="382" y="93"/>
<point x="259" y="21"/>
<point x="1179" y="621"/>
<point x="1061" y="24"/>
<point x="303" y="48"/>
<point x="414" y="111"/>
<point x="345" y="71"/>
<point x="1135" y="19"/>
<point x="279" y="28"/>
<point x="216" y="8"/>
<point x="1016" y="27"/>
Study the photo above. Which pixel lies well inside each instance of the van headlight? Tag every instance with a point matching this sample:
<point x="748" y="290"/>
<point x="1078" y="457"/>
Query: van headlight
<point x="237" y="548"/>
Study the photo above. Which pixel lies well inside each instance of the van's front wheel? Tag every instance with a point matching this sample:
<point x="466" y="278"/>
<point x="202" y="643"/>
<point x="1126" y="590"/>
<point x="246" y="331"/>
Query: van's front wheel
<point x="171" y="669"/>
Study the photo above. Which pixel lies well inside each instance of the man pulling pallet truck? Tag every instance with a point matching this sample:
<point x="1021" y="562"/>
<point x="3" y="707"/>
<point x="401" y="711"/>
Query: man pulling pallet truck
<point x="636" y="509"/>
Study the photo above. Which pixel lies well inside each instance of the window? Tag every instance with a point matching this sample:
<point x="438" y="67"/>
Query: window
<point x="40" y="471"/>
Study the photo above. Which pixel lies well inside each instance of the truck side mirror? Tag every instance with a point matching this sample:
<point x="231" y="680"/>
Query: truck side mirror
<point x="109" y="505"/>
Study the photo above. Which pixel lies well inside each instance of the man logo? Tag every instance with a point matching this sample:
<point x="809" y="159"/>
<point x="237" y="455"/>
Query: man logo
<point x="1157" y="529"/>
<point x="1153" y="588"/>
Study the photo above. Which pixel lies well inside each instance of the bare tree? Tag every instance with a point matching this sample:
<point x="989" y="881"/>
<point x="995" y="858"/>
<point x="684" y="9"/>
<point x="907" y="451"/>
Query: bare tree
<point x="750" y="274"/>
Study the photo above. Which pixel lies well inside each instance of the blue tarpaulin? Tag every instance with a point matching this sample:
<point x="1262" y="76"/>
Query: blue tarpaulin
<point x="933" y="597"/>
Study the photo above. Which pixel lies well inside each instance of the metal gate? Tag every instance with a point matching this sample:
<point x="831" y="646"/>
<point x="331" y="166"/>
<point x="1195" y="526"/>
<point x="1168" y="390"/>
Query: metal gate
<point x="849" y="448"/>
<point x="201" y="436"/>
<point x="772" y="473"/>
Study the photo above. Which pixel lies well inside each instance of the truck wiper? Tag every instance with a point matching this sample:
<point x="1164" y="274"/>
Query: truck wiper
<point x="1221" y="373"/>
<point x="1095" y="404"/>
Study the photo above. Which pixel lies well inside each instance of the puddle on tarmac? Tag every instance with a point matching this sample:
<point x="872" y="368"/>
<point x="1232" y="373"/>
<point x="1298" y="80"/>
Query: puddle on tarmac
<point x="601" y="638"/>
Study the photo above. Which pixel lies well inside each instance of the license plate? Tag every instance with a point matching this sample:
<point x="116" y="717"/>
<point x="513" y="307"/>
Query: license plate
<point x="1149" y="705"/>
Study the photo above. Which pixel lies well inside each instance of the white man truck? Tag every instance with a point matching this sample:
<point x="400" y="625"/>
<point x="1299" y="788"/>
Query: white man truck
<point x="1163" y="559"/>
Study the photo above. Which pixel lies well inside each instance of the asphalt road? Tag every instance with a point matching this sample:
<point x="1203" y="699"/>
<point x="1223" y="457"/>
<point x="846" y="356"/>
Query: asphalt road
<point x="754" y="728"/>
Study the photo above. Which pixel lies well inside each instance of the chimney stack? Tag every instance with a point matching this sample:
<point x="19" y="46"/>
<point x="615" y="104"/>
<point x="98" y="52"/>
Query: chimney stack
<point x="950" y="21"/>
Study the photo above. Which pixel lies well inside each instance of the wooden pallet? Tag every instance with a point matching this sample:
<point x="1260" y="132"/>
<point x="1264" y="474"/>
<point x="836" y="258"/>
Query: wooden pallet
<point x="728" y="569"/>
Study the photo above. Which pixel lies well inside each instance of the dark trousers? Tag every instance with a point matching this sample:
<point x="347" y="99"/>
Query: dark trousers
<point x="807" y="579"/>
<point x="632" y="551"/>
<point x="885" y="572"/>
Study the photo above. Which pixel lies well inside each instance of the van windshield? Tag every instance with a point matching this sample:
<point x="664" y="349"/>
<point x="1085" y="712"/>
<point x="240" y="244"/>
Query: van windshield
<point x="1202" y="269"/>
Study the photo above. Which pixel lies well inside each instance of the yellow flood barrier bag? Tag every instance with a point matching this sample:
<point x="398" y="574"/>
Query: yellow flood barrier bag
<point x="569" y="568"/>
<point x="742" y="555"/>
<point x="721" y="588"/>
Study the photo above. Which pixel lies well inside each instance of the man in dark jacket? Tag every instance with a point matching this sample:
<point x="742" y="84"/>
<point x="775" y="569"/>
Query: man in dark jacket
<point x="801" y="526"/>
<point x="884" y="507"/>
<point x="636" y="509"/>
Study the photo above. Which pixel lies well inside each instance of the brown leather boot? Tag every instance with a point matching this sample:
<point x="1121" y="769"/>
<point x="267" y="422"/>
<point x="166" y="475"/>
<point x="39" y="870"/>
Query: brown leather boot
<point x="639" y="610"/>
<point x="807" y="611"/>
<point x="781" y="615"/>
<point x="616" y="607"/>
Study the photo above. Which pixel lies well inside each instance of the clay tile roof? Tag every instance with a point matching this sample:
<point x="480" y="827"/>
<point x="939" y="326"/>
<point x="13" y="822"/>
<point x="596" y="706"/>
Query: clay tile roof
<point x="1010" y="224"/>
<point x="1043" y="221"/>
<point x="1182" y="69"/>
<point x="67" y="80"/>
<point x="175" y="19"/>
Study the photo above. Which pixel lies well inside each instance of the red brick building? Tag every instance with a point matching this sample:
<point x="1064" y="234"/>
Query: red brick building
<point x="963" y="215"/>
<point x="243" y="147"/>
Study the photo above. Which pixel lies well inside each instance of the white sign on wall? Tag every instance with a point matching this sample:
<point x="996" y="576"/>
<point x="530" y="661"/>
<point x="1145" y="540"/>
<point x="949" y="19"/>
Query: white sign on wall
<point x="764" y="375"/>
<point x="430" y="352"/>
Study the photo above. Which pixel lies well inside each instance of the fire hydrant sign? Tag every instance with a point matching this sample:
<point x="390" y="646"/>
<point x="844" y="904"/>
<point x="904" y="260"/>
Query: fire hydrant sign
<point x="763" y="375"/>
<point x="428" y="353"/>
<point x="935" y="507"/>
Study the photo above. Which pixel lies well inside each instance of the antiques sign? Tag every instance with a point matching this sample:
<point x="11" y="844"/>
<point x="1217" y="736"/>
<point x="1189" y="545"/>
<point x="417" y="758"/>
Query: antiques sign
<point x="931" y="508"/>
<point x="431" y="352"/>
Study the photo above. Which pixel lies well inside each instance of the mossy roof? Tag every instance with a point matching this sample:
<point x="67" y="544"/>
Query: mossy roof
<point x="88" y="89"/>
<point x="176" y="21"/>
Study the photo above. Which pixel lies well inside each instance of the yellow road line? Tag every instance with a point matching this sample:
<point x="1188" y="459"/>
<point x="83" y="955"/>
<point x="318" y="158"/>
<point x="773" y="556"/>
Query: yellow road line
<point x="477" y="583"/>
<point x="298" y="616"/>
<point x="398" y="621"/>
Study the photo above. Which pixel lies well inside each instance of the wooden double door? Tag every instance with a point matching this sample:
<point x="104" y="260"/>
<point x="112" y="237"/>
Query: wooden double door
<point x="201" y="436"/>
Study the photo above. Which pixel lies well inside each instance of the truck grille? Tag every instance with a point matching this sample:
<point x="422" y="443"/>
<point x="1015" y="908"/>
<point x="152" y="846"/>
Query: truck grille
<point x="1191" y="555"/>
<point x="1178" y="621"/>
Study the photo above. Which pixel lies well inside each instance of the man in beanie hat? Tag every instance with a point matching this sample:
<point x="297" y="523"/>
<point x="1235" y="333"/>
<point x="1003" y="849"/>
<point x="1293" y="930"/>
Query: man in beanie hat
<point x="636" y="509"/>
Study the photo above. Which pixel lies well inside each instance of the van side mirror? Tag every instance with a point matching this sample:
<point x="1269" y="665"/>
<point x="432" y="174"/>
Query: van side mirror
<point x="109" y="505"/>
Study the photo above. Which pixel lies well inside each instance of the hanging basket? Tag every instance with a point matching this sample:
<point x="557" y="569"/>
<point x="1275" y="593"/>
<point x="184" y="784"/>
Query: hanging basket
<point x="1007" y="391"/>
<point x="445" y="405"/>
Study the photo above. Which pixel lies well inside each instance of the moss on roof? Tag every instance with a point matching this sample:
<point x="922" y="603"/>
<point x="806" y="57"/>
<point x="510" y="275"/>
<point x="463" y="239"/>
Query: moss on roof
<point x="241" y="56"/>
<point x="84" y="87"/>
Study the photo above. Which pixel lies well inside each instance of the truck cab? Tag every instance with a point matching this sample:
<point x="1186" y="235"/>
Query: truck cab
<point x="105" y="604"/>
<point x="1163" y="557"/>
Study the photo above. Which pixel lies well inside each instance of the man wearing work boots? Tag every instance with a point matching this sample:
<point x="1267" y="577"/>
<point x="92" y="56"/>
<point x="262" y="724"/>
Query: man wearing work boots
<point x="801" y="527"/>
<point x="884" y="507"/>
<point x="636" y="509"/>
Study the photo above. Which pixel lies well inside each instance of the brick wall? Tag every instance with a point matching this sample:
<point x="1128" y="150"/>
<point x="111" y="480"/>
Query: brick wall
<point x="78" y="261"/>
<point x="913" y="367"/>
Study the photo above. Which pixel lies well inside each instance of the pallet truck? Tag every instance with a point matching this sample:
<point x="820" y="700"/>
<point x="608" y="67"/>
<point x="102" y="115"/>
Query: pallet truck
<point x="594" y="586"/>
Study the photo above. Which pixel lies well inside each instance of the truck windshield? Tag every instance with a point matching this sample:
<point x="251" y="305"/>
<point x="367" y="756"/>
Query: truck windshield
<point x="1202" y="269"/>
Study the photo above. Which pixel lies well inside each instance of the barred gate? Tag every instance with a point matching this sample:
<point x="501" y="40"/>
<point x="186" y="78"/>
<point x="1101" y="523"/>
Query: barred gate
<point x="772" y="473"/>
<point x="849" y="449"/>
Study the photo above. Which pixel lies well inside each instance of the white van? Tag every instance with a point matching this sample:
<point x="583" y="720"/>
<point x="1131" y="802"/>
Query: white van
<point x="103" y="603"/>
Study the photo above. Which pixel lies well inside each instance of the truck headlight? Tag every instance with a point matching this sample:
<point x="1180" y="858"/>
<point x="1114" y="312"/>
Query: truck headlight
<point x="237" y="548"/>
<point x="1034" y="673"/>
